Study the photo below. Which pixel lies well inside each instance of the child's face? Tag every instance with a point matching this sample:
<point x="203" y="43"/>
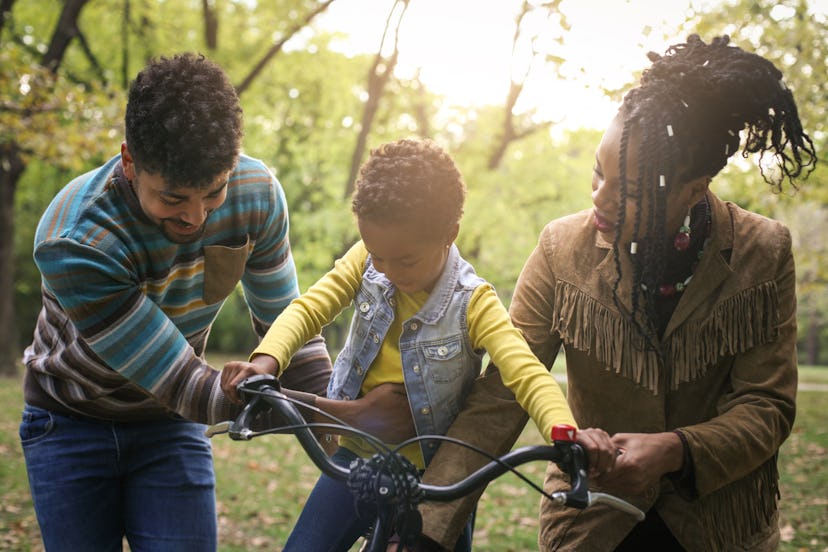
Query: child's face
<point x="412" y="262"/>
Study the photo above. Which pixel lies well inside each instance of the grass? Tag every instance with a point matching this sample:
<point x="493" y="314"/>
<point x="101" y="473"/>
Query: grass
<point x="262" y="485"/>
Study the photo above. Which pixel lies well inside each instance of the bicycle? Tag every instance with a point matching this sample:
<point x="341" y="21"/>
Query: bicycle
<point x="387" y="486"/>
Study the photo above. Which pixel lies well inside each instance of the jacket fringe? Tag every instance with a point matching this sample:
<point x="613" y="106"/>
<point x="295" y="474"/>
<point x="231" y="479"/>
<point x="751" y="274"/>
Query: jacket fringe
<point x="730" y="514"/>
<point x="737" y="324"/>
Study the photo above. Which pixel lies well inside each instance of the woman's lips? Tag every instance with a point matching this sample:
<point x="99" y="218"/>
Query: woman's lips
<point x="602" y="224"/>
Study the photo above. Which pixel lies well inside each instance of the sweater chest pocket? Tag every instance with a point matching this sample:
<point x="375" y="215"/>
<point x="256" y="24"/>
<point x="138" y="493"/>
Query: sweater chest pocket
<point x="223" y="268"/>
<point x="444" y="360"/>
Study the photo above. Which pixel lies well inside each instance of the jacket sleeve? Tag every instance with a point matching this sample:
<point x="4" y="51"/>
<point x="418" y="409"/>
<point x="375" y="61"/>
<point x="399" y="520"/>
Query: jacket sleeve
<point x="757" y="413"/>
<point x="492" y="406"/>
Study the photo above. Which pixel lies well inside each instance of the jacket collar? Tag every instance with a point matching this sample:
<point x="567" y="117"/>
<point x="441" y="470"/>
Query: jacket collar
<point x="713" y="267"/>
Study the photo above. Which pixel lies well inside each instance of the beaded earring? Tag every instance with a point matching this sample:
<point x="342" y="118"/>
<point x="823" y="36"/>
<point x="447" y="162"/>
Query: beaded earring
<point x="682" y="240"/>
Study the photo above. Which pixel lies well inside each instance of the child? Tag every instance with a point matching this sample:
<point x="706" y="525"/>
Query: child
<point x="422" y="317"/>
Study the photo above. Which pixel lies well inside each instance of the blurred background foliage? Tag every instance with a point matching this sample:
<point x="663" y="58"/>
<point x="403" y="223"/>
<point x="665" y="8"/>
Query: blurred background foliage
<point x="312" y="113"/>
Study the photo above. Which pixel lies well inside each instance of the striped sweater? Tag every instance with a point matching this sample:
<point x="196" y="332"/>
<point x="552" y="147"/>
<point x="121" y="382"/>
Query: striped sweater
<point x="126" y="313"/>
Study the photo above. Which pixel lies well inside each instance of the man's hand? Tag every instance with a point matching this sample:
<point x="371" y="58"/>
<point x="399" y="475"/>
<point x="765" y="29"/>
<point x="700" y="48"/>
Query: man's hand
<point x="383" y="412"/>
<point x="236" y="371"/>
<point x="643" y="458"/>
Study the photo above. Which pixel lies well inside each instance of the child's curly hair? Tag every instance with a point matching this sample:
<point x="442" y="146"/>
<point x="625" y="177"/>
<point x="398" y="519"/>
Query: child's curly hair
<point x="183" y="120"/>
<point x="410" y="181"/>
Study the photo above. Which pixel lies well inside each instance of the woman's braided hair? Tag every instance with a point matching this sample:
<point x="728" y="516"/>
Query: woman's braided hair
<point x="689" y="110"/>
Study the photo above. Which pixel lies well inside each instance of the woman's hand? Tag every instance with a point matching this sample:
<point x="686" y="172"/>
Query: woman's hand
<point x="643" y="459"/>
<point x="236" y="371"/>
<point x="600" y="450"/>
<point x="383" y="412"/>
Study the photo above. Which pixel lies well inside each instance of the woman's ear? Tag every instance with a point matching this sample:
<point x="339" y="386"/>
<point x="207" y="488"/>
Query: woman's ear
<point x="697" y="188"/>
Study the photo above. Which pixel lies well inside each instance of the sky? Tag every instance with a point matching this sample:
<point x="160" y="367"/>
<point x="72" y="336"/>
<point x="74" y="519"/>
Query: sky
<point x="463" y="49"/>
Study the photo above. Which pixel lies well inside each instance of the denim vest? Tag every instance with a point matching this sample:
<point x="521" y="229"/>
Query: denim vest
<point x="438" y="362"/>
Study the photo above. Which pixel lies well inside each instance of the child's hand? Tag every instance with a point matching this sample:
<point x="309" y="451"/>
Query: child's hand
<point x="236" y="371"/>
<point x="600" y="449"/>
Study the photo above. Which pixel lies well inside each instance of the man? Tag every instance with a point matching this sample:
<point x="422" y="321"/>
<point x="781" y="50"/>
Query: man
<point x="137" y="258"/>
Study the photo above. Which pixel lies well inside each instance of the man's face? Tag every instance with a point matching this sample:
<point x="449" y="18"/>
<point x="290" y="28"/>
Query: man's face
<point x="181" y="212"/>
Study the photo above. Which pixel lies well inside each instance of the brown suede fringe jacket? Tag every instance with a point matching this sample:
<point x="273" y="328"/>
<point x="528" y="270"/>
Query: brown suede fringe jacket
<point x="729" y="383"/>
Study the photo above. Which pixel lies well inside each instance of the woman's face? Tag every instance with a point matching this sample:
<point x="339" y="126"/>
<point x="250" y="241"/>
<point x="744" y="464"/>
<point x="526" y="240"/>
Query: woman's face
<point x="606" y="190"/>
<point x="411" y="260"/>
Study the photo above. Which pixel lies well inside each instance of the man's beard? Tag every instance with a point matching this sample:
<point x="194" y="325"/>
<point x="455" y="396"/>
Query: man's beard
<point x="175" y="237"/>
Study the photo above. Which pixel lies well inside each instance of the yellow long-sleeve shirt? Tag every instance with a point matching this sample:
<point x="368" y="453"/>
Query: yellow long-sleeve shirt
<point x="490" y="329"/>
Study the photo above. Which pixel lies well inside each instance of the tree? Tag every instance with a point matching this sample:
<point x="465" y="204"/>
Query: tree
<point x="526" y="55"/>
<point x="36" y="112"/>
<point x="795" y="38"/>
<point x="378" y="75"/>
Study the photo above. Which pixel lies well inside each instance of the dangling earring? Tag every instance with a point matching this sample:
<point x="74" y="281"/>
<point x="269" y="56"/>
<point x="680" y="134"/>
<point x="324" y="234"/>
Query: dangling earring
<point x="682" y="239"/>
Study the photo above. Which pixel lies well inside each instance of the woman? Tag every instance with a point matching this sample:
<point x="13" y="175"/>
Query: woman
<point x="677" y="313"/>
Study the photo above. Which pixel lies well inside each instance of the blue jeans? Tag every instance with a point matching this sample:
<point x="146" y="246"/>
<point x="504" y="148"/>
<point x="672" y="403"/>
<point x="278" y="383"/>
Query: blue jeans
<point x="95" y="482"/>
<point x="329" y="522"/>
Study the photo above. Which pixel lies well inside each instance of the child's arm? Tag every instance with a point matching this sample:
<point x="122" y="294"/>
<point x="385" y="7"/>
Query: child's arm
<point x="491" y="328"/>
<point x="301" y="320"/>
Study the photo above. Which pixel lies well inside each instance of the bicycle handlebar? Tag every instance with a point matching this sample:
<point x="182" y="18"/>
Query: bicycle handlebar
<point x="263" y="392"/>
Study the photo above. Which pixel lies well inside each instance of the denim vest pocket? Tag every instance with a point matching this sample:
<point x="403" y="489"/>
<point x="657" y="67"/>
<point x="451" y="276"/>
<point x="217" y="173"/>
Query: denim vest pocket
<point x="442" y="358"/>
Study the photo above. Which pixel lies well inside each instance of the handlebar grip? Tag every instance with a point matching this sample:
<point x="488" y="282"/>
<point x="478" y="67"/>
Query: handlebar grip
<point x="564" y="433"/>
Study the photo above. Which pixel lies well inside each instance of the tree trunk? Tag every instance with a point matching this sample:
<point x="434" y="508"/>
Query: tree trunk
<point x="210" y="25"/>
<point x="66" y="30"/>
<point x="5" y="12"/>
<point x="11" y="168"/>
<point x="378" y="76"/>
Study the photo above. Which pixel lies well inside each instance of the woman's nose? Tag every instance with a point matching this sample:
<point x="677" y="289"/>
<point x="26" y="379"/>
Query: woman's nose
<point x="604" y="196"/>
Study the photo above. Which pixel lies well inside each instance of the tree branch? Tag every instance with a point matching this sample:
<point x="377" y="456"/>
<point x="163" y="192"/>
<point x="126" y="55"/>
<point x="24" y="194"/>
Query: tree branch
<point x="276" y="48"/>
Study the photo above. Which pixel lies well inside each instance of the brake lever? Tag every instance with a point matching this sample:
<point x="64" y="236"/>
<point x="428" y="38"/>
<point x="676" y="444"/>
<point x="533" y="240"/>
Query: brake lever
<point x="564" y="499"/>
<point x="237" y="431"/>
<point x="218" y="429"/>
<point x="617" y="503"/>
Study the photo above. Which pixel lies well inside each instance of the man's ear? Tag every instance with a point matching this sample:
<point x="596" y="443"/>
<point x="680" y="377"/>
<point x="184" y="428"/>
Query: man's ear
<point x="127" y="162"/>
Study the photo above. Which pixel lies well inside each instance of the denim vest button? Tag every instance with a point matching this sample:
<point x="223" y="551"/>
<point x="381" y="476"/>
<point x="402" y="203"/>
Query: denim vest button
<point x="416" y="368"/>
<point x="442" y="350"/>
<point x="359" y="370"/>
<point x="414" y="326"/>
<point x="364" y="307"/>
<point x="425" y="410"/>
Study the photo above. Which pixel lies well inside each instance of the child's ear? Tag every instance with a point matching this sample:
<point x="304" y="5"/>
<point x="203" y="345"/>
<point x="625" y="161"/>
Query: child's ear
<point x="453" y="234"/>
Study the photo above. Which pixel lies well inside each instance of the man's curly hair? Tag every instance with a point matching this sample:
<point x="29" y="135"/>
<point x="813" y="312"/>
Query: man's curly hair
<point x="410" y="181"/>
<point x="183" y="120"/>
